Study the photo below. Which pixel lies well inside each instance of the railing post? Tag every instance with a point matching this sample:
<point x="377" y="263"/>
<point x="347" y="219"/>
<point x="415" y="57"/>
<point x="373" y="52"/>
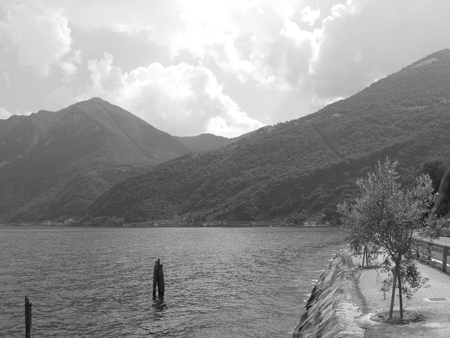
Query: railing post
<point x="444" y="258"/>
<point x="429" y="252"/>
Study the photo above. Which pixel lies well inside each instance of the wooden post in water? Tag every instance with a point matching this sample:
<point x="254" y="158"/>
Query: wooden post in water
<point x="27" y="318"/>
<point x="155" y="277"/>
<point x="158" y="279"/>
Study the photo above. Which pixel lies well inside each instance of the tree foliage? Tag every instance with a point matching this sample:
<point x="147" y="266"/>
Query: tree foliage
<point x="436" y="169"/>
<point x="388" y="216"/>
<point x="442" y="206"/>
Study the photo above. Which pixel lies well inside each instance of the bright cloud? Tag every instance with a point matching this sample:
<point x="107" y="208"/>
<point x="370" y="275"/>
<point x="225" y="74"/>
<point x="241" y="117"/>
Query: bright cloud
<point x="253" y="40"/>
<point x="69" y="66"/>
<point x="209" y="66"/>
<point x="181" y="99"/>
<point x="41" y="35"/>
<point x="4" y="114"/>
<point x="309" y="15"/>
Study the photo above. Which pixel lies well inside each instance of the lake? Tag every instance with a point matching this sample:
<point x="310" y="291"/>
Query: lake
<point x="97" y="282"/>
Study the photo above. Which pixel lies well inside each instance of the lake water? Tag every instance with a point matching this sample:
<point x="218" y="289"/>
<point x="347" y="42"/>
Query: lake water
<point x="220" y="282"/>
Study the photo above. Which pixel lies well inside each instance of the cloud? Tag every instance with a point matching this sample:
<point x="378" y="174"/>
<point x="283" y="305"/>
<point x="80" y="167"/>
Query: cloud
<point x="69" y="67"/>
<point x="105" y="77"/>
<point x="160" y="19"/>
<point x="309" y="15"/>
<point x="284" y="58"/>
<point x="7" y="79"/>
<point x="41" y="35"/>
<point x="254" y="40"/>
<point x="332" y="49"/>
<point x="4" y="114"/>
<point x="60" y="98"/>
<point x="362" y="41"/>
<point x="180" y="99"/>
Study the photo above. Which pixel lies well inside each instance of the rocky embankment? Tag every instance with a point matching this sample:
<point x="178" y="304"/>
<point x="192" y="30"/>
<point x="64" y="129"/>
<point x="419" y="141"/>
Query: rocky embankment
<point x="334" y="305"/>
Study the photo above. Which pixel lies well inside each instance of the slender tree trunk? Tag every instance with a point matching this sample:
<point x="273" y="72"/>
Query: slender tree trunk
<point x="400" y="295"/>
<point x="367" y="257"/>
<point x="391" y="309"/>
<point x="364" y="255"/>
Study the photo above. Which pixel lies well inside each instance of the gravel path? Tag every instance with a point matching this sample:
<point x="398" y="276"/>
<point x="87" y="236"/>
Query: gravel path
<point x="436" y="314"/>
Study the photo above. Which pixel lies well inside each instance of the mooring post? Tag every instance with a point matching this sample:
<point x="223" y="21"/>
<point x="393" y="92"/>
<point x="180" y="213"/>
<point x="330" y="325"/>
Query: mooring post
<point x="27" y="318"/>
<point x="160" y="281"/>
<point x="155" y="277"/>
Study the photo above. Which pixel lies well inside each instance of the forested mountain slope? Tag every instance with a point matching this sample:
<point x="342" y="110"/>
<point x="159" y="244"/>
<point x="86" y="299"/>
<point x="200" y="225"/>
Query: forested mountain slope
<point x="55" y="164"/>
<point x="301" y="169"/>
<point x="204" y="142"/>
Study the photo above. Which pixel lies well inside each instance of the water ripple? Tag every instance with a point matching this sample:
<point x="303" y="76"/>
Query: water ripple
<point x="238" y="282"/>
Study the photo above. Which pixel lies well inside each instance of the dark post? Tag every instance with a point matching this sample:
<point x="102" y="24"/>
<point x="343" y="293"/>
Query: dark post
<point x="160" y="281"/>
<point x="444" y="259"/>
<point x="155" y="277"/>
<point x="27" y="318"/>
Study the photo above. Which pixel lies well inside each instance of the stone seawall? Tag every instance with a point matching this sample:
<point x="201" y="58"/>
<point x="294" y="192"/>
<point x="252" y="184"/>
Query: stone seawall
<point x="334" y="304"/>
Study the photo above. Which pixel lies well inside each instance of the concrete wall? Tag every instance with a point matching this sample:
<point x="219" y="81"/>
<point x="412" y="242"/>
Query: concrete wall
<point x="334" y="305"/>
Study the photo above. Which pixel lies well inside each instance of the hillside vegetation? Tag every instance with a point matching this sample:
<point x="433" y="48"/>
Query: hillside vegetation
<point x="300" y="170"/>
<point x="55" y="164"/>
<point x="204" y="142"/>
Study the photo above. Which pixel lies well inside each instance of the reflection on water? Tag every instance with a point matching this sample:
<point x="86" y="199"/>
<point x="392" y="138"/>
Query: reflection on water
<point x="159" y="307"/>
<point x="234" y="282"/>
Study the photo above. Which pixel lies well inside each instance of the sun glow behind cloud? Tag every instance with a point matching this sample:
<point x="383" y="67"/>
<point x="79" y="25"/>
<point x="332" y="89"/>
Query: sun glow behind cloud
<point x="209" y="66"/>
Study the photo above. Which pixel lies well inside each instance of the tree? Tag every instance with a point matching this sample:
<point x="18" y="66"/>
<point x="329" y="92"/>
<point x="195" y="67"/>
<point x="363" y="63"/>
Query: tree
<point x="436" y="168"/>
<point x="442" y="205"/>
<point x="387" y="216"/>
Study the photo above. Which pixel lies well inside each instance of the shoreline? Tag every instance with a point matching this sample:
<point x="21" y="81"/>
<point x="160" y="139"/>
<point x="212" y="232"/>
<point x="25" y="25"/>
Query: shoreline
<point x="335" y="302"/>
<point x="347" y="301"/>
<point x="274" y="225"/>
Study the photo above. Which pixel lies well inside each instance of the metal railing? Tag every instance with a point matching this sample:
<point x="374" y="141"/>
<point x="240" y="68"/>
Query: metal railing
<point x="434" y="253"/>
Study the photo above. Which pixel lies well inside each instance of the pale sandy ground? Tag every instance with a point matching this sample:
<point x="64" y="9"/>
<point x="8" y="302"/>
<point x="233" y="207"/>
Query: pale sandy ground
<point x="437" y="314"/>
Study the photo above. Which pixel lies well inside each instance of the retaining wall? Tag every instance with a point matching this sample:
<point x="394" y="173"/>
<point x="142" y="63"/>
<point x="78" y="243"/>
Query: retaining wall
<point x="334" y="304"/>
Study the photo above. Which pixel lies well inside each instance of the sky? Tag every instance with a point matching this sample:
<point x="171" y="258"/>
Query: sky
<point x="208" y="66"/>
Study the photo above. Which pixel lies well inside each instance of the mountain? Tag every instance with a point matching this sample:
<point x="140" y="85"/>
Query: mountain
<point x="204" y="142"/>
<point x="301" y="169"/>
<point x="55" y="164"/>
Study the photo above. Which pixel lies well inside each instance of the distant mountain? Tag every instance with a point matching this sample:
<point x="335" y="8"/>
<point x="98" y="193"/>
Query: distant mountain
<point x="301" y="169"/>
<point x="55" y="164"/>
<point x="204" y="142"/>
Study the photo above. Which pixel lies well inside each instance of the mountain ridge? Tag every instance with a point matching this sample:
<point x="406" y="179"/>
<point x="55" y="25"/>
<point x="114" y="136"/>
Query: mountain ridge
<point x="90" y="145"/>
<point x="299" y="170"/>
<point x="205" y="142"/>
